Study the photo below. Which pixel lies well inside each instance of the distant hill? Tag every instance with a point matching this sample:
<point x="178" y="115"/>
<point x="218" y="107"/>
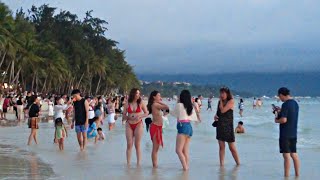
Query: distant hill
<point x="301" y="84"/>
<point x="169" y="89"/>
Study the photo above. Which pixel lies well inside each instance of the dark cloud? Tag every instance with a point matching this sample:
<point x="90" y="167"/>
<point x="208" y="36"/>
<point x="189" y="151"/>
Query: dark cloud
<point x="211" y="35"/>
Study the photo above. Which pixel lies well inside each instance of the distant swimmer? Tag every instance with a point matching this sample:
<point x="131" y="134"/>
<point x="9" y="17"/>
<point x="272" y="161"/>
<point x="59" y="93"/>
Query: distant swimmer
<point x="199" y="101"/>
<point x="209" y="104"/>
<point x="259" y="103"/>
<point x="241" y="107"/>
<point x="254" y="103"/>
<point x="197" y="108"/>
<point x="239" y="129"/>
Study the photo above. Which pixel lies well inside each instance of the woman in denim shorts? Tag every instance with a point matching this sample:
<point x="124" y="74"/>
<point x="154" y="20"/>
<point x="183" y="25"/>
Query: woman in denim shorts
<point x="185" y="113"/>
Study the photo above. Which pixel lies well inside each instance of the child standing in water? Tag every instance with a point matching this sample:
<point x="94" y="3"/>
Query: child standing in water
<point x="60" y="133"/>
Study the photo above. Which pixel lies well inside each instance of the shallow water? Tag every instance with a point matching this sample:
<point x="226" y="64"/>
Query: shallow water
<point x="258" y="150"/>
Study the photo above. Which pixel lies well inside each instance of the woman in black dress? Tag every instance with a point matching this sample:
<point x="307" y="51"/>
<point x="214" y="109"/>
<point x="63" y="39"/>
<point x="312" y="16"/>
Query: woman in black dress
<point x="224" y="118"/>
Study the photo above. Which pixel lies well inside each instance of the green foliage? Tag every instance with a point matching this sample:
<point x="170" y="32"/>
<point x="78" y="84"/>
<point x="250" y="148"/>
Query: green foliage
<point x="46" y="51"/>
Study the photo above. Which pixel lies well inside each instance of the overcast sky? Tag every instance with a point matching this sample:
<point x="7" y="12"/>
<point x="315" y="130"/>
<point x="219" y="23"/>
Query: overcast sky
<point x="207" y="36"/>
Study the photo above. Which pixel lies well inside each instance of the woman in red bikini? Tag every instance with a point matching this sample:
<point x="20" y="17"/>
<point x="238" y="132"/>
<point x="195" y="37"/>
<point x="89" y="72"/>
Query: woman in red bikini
<point x="133" y="113"/>
<point x="154" y="107"/>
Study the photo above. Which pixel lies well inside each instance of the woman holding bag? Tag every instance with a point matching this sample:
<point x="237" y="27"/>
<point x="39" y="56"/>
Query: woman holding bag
<point x="223" y="120"/>
<point x="185" y="113"/>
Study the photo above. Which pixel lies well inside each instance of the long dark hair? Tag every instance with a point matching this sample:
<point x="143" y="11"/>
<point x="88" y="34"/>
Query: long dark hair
<point x="132" y="95"/>
<point x="56" y="100"/>
<point x="185" y="99"/>
<point x="227" y="91"/>
<point x="151" y="100"/>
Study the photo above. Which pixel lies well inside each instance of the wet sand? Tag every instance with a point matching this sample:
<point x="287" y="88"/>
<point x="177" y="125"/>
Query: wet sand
<point x="21" y="164"/>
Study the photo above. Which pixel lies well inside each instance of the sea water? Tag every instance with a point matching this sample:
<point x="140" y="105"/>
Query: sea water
<point x="258" y="150"/>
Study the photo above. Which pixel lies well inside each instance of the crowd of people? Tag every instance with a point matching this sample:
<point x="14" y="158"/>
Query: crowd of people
<point x="87" y="114"/>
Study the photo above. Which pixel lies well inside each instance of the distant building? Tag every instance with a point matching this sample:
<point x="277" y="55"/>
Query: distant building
<point x="186" y="83"/>
<point x="160" y="83"/>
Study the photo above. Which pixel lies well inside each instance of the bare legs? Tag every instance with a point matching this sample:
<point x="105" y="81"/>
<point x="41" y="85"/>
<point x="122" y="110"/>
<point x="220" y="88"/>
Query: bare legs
<point x="33" y="135"/>
<point x="154" y="154"/>
<point x="134" y="137"/>
<point x="233" y="151"/>
<point x="241" y="112"/>
<point x="182" y="149"/>
<point x="61" y="145"/>
<point x="111" y="126"/>
<point x="222" y="152"/>
<point x="296" y="162"/>
<point x="82" y="140"/>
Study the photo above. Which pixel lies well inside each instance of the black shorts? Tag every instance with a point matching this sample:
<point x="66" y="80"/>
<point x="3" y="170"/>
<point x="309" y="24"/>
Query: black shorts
<point x="5" y="110"/>
<point x="288" y="145"/>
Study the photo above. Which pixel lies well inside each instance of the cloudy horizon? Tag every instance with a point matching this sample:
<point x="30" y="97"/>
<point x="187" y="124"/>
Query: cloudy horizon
<point x="210" y="36"/>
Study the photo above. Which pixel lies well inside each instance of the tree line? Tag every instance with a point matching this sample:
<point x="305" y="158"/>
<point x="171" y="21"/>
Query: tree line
<point x="49" y="52"/>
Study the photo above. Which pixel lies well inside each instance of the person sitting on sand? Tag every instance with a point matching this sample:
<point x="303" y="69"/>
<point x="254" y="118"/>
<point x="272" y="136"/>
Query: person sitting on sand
<point x="239" y="129"/>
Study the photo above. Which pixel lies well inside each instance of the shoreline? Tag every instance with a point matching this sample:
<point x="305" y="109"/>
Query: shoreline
<point x="22" y="164"/>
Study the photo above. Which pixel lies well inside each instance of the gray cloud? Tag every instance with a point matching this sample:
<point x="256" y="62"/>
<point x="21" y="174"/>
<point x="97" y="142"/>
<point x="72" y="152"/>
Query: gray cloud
<point x="212" y="35"/>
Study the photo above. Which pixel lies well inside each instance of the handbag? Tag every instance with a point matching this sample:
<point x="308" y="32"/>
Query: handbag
<point x="215" y="124"/>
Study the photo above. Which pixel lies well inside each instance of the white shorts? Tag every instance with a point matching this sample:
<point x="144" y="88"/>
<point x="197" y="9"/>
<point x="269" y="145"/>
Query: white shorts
<point x="110" y="118"/>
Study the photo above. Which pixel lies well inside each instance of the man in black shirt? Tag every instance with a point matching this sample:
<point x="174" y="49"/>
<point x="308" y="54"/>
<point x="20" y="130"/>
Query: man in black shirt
<point x="81" y="118"/>
<point x="288" y="120"/>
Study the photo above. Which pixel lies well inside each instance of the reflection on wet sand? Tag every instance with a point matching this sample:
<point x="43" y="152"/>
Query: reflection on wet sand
<point x="134" y="173"/>
<point x="19" y="164"/>
<point x="34" y="168"/>
<point x="232" y="174"/>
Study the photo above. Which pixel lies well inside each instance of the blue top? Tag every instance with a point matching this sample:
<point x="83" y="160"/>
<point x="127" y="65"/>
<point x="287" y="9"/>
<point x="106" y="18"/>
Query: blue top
<point x="92" y="127"/>
<point x="289" y="110"/>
